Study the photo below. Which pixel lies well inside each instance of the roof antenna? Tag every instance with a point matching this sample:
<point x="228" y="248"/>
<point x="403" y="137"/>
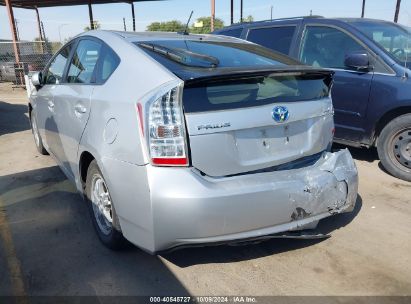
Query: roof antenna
<point x="185" y="32"/>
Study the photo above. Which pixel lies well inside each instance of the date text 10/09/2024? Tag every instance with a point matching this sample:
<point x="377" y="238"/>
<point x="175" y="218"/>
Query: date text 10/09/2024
<point x="204" y="299"/>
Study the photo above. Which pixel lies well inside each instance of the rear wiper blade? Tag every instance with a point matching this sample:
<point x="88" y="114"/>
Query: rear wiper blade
<point x="183" y="56"/>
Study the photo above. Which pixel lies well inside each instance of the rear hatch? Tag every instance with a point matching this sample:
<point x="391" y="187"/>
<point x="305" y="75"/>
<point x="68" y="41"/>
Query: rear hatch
<point x="243" y="121"/>
<point x="246" y="108"/>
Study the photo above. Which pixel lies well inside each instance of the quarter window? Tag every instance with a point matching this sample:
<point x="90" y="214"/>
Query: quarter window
<point x="84" y="62"/>
<point x="275" y="38"/>
<point x="109" y="62"/>
<point x="54" y="74"/>
<point x="327" y="47"/>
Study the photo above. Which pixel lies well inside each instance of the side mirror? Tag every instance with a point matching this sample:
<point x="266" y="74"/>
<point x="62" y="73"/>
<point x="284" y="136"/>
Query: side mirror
<point x="36" y="79"/>
<point x="358" y="61"/>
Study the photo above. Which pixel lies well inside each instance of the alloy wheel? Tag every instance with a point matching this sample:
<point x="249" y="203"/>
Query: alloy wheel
<point x="102" y="206"/>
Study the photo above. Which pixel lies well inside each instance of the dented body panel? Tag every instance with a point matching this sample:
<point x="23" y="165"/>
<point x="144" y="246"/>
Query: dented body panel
<point x="188" y="208"/>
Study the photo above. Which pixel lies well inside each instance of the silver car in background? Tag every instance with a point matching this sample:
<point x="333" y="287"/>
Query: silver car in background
<point x="180" y="140"/>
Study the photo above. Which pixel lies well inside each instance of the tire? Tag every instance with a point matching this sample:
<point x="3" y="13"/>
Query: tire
<point x="37" y="138"/>
<point x="104" y="218"/>
<point x="394" y="147"/>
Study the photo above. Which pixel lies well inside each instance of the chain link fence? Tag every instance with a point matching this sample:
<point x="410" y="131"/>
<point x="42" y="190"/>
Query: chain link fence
<point x="32" y="56"/>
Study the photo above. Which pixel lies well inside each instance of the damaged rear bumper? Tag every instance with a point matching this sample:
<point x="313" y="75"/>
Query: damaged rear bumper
<point x="190" y="209"/>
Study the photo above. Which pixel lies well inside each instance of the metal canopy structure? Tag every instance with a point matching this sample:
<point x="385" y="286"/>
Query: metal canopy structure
<point x="36" y="4"/>
<point x="31" y="4"/>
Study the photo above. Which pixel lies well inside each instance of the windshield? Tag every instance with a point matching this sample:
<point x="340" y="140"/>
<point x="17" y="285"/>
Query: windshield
<point x="395" y="39"/>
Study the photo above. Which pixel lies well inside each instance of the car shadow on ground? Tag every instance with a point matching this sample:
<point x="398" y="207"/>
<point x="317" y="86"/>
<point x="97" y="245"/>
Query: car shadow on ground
<point x="13" y="118"/>
<point x="60" y="254"/>
<point x="58" y="250"/>
<point x="226" y="253"/>
<point x="363" y="154"/>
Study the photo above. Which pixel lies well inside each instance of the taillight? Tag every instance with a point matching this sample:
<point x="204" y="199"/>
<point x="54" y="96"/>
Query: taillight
<point x="166" y="130"/>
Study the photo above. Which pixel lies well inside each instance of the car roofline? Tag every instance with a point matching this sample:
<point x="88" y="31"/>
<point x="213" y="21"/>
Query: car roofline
<point x="268" y="21"/>
<point x="301" y="18"/>
<point x="133" y="37"/>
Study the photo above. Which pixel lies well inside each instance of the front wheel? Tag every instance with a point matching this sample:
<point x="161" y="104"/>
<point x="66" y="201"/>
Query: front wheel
<point x="394" y="147"/>
<point x="102" y="210"/>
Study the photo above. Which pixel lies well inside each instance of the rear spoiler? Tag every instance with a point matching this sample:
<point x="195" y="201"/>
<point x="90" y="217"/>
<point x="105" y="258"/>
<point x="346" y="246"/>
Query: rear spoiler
<point x="216" y="75"/>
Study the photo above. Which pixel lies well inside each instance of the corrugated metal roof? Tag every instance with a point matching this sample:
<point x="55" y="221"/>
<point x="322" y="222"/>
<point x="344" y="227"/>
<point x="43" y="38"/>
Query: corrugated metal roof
<point x="51" y="3"/>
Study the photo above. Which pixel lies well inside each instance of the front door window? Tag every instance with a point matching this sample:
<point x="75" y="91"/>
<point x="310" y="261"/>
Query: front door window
<point x="327" y="47"/>
<point x="54" y="74"/>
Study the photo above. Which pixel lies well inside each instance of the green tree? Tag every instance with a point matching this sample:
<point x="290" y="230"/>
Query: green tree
<point x="96" y="26"/>
<point x="206" y="28"/>
<point x="249" y="18"/>
<point x="55" y="46"/>
<point x="168" y="26"/>
<point x="45" y="46"/>
<point x="38" y="46"/>
<point x="67" y="39"/>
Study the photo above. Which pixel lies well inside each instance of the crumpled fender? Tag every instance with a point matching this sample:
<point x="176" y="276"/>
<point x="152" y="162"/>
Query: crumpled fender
<point x="342" y="166"/>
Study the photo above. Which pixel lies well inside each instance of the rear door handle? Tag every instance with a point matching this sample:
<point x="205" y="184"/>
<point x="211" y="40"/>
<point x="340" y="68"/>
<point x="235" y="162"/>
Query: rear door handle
<point x="79" y="108"/>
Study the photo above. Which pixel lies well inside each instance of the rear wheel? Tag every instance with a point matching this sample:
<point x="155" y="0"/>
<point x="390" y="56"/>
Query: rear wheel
<point x="102" y="210"/>
<point x="37" y="138"/>
<point x="394" y="147"/>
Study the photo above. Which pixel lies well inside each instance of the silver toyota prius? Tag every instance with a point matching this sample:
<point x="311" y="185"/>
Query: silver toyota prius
<point x="181" y="140"/>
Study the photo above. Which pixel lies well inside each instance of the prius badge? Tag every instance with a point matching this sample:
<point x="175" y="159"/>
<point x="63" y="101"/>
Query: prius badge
<point x="280" y="114"/>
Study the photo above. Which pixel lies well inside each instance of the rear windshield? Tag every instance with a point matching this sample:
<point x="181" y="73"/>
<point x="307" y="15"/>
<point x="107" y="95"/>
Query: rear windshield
<point x="212" y="54"/>
<point x="255" y="91"/>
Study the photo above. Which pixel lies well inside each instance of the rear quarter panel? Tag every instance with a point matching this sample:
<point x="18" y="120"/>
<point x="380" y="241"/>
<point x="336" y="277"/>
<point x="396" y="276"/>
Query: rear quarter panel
<point x="113" y="130"/>
<point x="113" y="136"/>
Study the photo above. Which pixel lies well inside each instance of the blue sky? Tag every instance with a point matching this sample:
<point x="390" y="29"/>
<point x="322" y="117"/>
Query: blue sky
<point x="69" y="21"/>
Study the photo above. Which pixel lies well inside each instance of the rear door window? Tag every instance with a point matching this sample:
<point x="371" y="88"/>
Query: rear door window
<point x="232" y="33"/>
<point x="277" y="38"/>
<point x="84" y="61"/>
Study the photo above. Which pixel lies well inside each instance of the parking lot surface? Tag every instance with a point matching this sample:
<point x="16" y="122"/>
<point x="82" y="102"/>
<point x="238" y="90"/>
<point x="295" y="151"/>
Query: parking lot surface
<point x="48" y="246"/>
